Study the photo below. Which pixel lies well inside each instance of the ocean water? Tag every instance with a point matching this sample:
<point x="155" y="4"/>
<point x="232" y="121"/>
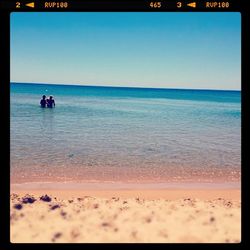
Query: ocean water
<point x="134" y="135"/>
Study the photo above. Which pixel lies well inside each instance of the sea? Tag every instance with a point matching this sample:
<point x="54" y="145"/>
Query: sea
<point x="124" y="135"/>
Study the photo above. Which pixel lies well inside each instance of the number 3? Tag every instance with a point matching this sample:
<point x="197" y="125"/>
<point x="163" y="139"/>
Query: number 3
<point x="179" y="4"/>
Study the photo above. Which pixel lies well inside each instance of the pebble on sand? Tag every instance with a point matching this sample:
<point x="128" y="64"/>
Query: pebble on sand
<point x="45" y="198"/>
<point x="28" y="199"/>
<point x="18" y="206"/>
<point x="54" y="207"/>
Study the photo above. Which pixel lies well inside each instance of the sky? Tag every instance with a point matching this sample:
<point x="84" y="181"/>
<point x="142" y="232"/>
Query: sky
<point x="159" y="49"/>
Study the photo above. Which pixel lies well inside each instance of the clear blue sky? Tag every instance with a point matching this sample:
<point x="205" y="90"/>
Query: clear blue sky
<point x="167" y="50"/>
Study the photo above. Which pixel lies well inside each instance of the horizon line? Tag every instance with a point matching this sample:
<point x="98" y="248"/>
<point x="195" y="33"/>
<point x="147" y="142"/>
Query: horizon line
<point x="135" y="87"/>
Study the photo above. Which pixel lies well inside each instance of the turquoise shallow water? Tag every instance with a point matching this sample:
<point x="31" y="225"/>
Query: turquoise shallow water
<point x="125" y="134"/>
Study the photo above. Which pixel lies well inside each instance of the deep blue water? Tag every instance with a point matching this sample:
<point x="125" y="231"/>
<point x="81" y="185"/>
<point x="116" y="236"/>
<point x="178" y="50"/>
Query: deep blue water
<point x="118" y="134"/>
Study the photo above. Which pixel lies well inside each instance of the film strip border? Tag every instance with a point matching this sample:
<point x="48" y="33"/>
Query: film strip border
<point x="167" y="5"/>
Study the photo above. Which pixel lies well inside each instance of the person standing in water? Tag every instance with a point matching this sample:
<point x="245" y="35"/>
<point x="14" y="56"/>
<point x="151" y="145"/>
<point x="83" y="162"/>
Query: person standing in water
<point x="51" y="102"/>
<point x="43" y="101"/>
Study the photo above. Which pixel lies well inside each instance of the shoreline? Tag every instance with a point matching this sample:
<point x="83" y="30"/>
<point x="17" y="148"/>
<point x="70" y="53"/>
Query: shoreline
<point x="149" y="194"/>
<point x="233" y="194"/>
<point x="110" y="185"/>
<point x="131" y="190"/>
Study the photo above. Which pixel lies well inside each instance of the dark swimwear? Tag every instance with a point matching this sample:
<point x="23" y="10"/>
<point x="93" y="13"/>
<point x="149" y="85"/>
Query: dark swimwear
<point x="43" y="103"/>
<point x="50" y="103"/>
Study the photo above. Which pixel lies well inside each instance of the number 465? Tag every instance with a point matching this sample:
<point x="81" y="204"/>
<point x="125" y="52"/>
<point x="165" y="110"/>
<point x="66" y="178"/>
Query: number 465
<point x="155" y="4"/>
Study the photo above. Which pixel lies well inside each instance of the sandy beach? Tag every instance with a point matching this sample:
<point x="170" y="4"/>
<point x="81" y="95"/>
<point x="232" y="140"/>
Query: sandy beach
<point x="126" y="216"/>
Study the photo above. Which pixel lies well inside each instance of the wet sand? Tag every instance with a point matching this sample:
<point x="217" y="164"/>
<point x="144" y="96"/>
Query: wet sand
<point x="166" y="215"/>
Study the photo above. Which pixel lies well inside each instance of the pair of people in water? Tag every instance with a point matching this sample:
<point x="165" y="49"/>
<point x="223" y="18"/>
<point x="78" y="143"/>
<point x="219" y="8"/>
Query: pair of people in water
<point x="49" y="102"/>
